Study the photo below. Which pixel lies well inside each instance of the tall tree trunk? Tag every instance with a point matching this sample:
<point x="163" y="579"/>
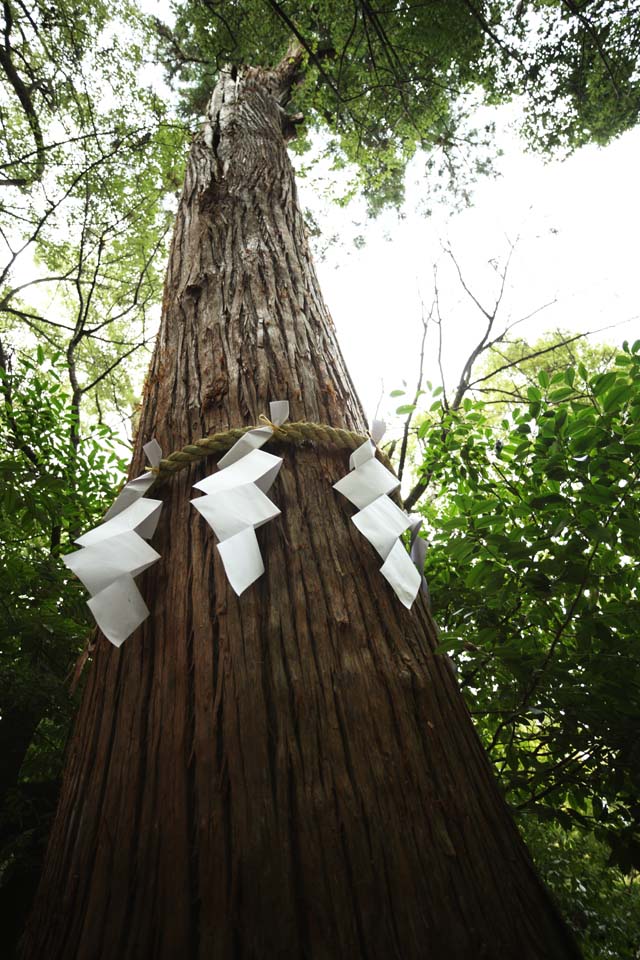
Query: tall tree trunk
<point x="292" y="773"/>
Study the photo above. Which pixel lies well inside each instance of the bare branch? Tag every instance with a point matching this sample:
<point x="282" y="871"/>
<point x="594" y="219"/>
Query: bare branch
<point x="530" y="356"/>
<point x="481" y="347"/>
<point x="445" y="401"/>
<point x="24" y="96"/>
<point x="407" y="424"/>
<point x="111" y="367"/>
<point x="483" y="343"/>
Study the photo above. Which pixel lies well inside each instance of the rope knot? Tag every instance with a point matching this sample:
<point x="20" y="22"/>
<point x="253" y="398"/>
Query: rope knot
<point x="276" y="430"/>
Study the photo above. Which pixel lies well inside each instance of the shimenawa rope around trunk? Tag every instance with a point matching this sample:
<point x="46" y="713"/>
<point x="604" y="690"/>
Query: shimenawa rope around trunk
<point x="298" y="434"/>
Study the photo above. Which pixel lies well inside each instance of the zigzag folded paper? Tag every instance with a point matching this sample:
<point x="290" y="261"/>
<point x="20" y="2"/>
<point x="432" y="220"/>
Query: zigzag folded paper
<point x="236" y="503"/>
<point x="114" y="552"/>
<point x="379" y="519"/>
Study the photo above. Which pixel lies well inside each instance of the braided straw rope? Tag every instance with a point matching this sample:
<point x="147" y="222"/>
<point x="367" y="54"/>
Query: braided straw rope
<point x="298" y="434"/>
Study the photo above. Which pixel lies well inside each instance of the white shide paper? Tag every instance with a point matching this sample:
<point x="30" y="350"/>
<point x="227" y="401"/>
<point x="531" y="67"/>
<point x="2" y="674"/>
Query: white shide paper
<point x="236" y="503"/>
<point x="114" y="552"/>
<point x="380" y="520"/>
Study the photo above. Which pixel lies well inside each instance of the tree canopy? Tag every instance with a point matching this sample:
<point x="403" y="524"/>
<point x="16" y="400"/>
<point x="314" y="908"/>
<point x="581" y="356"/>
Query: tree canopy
<point x="89" y="158"/>
<point x="386" y="80"/>
<point x="93" y="146"/>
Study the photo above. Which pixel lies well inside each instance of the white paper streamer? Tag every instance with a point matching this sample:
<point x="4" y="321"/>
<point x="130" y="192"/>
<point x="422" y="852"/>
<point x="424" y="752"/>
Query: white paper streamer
<point x="142" y="517"/>
<point x="361" y="454"/>
<point x="119" y="609"/>
<point x="236" y="503"/>
<point x="242" y="559"/>
<point x="254" y="467"/>
<point x="233" y="510"/>
<point x="401" y="574"/>
<point x="252" y="440"/>
<point x="131" y="492"/>
<point x="418" y="553"/>
<point x="114" y="552"/>
<point x="379" y="519"/>
<point x="103" y="562"/>
<point x="153" y="452"/>
<point x="381" y="523"/>
<point x="378" y="428"/>
<point x="367" y="482"/>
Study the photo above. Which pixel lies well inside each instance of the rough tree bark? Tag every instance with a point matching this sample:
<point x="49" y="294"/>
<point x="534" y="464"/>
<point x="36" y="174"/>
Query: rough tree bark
<point x="292" y="773"/>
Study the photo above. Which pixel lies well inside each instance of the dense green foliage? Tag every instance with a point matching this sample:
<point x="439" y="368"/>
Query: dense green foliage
<point x="528" y="472"/>
<point x="601" y="903"/>
<point x="534" y="573"/>
<point x="511" y="366"/>
<point x="51" y="487"/>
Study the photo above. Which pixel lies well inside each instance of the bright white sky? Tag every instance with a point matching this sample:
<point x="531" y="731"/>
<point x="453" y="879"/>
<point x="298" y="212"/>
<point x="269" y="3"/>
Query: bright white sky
<point x="577" y="223"/>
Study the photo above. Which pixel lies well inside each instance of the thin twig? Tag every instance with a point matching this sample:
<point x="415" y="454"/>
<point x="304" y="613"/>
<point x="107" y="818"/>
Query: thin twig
<point x="407" y="424"/>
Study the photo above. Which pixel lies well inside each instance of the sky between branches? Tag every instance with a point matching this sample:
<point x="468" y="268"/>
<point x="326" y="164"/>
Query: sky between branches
<point x="573" y="223"/>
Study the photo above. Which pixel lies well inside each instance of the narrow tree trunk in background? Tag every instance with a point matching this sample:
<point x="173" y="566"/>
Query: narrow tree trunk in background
<point x="292" y="773"/>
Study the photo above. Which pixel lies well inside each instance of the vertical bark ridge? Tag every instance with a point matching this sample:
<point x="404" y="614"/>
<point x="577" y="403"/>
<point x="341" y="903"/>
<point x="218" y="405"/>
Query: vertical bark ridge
<point x="292" y="773"/>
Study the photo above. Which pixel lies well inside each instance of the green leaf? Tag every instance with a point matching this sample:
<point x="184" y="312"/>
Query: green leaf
<point x="547" y="500"/>
<point x="616" y="397"/>
<point x="601" y="383"/>
<point x="562" y="393"/>
<point x="584" y="440"/>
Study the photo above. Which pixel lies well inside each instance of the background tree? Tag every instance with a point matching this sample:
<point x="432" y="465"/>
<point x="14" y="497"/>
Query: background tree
<point x="88" y="154"/>
<point x="534" y="550"/>
<point x="47" y="487"/>
<point x="507" y="371"/>
<point x="600" y="901"/>
<point x="494" y="566"/>
<point x="87" y="162"/>
<point x="533" y="554"/>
